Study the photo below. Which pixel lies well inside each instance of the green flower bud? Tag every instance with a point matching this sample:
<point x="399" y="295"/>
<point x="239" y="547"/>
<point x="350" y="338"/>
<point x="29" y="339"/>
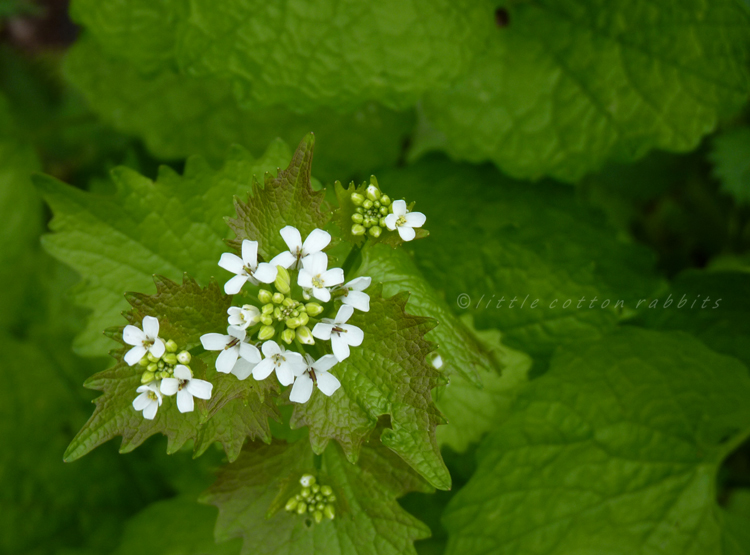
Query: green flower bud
<point x="313" y="309"/>
<point x="320" y="506"/>
<point x="329" y="512"/>
<point x="267" y="309"/>
<point x="385" y="200"/>
<point x="358" y="229"/>
<point x="283" y="281"/>
<point x="305" y="336"/>
<point x="383" y="210"/>
<point x="289" y="302"/>
<point x="331" y="498"/>
<point x="171" y="346"/>
<point x="291" y="504"/>
<point x="357" y="218"/>
<point x="184" y="357"/>
<point x="368" y="223"/>
<point x="326" y="490"/>
<point x="367" y="204"/>
<point x="305" y="493"/>
<point x="307" y="481"/>
<point x="357" y="199"/>
<point x="318" y="516"/>
<point x="303" y="318"/>
<point x="359" y="210"/>
<point x="144" y="361"/>
<point x="266" y="320"/>
<point x="277" y="298"/>
<point x="311" y="508"/>
<point x="170" y="358"/>
<point x="147" y="377"/>
<point x="287" y="336"/>
<point x="151" y="357"/>
<point x="152" y="367"/>
<point x="381" y="223"/>
<point x="375" y="231"/>
<point x="293" y="323"/>
<point x="373" y="194"/>
<point x="277" y="313"/>
<point x="163" y="374"/>
<point x="266" y="332"/>
<point x="302" y="508"/>
<point x="160" y="364"/>
<point x="264" y="296"/>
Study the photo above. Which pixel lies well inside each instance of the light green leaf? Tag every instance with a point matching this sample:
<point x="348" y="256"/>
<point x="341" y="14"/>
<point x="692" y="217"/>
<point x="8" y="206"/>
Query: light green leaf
<point x="731" y="155"/>
<point x="614" y="450"/>
<point x="251" y="493"/>
<point x="567" y="85"/>
<point x="174" y="225"/>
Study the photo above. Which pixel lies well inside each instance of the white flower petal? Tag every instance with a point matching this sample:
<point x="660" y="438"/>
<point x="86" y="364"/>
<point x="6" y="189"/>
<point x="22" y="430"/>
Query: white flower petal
<point x="358" y="300"/>
<point x="237" y="333"/>
<point x="399" y="208"/>
<point x="142" y="401"/>
<point x="322" y="331"/>
<point x="322" y="294"/>
<point x="296" y="362"/>
<point x="328" y="383"/>
<point x="169" y="386"/>
<point x="151" y="326"/>
<point x="390" y="221"/>
<point x="270" y="348"/>
<point x="315" y="242"/>
<point x="263" y="369"/>
<point x="360" y="283"/>
<point x="292" y="238"/>
<point x="185" y="401"/>
<point x="242" y="369"/>
<point x="302" y="389"/>
<point x="265" y="273"/>
<point x="324" y="363"/>
<point x="284" y="373"/>
<point x="183" y="372"/>
<point x="200" y="388"/>
<point x="214" y="341"/>
<point x="234" y="285"/>
<point x="304" y="279"/>
<point x="353" y="335"/>
<point x="415" y="219"/>
<point x="158" y="348"/>
<point x="343" y="315"/>
<point x="133" y="336"/>
<point x="231" y="263"/>
<point x="250" y="353"/>
<point x="316" y="263"/>
<point x="334" y="276"/>
<point x="340" y="347"/>
<point x="150" y="411"/>
<point x="134" y="355"/>
<point x="250" y="253"/>
<point x="406" y="233"/>
<point x="285" y="260"/>
<point x="226" y="359"/>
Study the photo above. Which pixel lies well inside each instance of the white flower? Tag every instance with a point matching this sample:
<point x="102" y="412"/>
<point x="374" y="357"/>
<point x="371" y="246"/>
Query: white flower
<point x="148" y="401"/>
<point x="144" y="341"/>
<point x="316" y="277"/>
<point x="186" y="388"/>
<point x="287" y="364"/>
<point x="354" y="293"/>
<point x="339" y="332"/>
<point x="243" y="317"/>
<point x="246" y="268"/>
<point x="405" y="223"/>
<point x="232" y="347"/>
<point x="315" y="242"/>
<point x="315" y="373"/>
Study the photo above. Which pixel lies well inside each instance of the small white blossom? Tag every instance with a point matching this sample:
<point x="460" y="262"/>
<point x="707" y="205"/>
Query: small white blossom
<point x="354" y="294"/>
<point x="341" y="334"/>
<point x="186" y="387"/>
<point x="246" y="268"/>
<point x="403" y="221"/>
<point x="315" y="276"/>
<point x="287" y="364"/>
<point x="243" y="317"/>
<point x="315" y="242"/>
<point x="232" y="347"/>
<point x="148" y="401"/>
<point x="145" y="341"/>
<point x="317" y="372"/>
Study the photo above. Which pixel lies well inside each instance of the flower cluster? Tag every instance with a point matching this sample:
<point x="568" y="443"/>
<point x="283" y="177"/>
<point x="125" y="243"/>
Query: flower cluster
<point x="313" y="498"/>
<point x="165" y="371"/>
<point x="375" y="212"/>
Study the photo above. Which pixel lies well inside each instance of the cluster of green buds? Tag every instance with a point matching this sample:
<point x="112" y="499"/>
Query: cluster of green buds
<point x="313" y="498"/>
<point x="372" y="208"/>
<point x="281" y="312"/>
<point x="160" y="368"/>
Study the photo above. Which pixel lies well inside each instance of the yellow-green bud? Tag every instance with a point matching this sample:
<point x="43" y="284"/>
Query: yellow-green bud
<point x="264" y="296"/>
<point x="318" y="516"/>
<point x="305" y="336"/>
<point x="329" y="512"/>
<point x="313" y="309"/>
<point x="267" y="308"/>
<point x="383" y="210"/>
<point x="357" y="218"/>
<point x="311" y="508"/>
<point x="171" y="346"/>
<point x="320" y="506"/>
<point x="367" y="204"/>
<point x="266" y="332"/>
<point x="266" y="320"/>
<point x="160" y="364"/>
<point x="357" y="199"/>
<point x="331" y="498"/>
<point x="307" y="481"/>
<point x="170" y="358"/>
<point x="287" y="336"/>
<point x="144" y="361"/>
<point x="305" y="492"/>
<point x="151" y="357"/>
<point x="291" y="504"/>
<point x="152" y="367"/>
<point x="303" y="318"/>
<point x="277" y="298"/>
<point x="163" y="374"/>
<point x="315" y="488"/>
<point x="301" y="508"/>
<point x="293" y="323"/>
<point x="184" y="357"/>
<point x="358" y="229"/>
<point x="277" y="313"/>
<point x="283" y="280"/>
<point x="385" y="200"/>
<point x="289" y="302"/>
<point x="381" y="223"/>
<point x="375" y="231"/>
<point x="326" y="490"/>
<point x="373" y="193"/>
<point x="147" y="377"/>
<point x="359" y="210"/>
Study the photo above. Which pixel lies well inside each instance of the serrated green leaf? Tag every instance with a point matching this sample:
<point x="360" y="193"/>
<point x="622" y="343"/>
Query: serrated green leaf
<point x="368" y="518"/>
<point x="494" y="237"/>
<point x="185" y="312"/>
<point x="614" y="450"/>
<point x="387" y="375"/>
<point x="177" y="116"/>
<point x="730" y="155"/>
<point x="565" y="86"/>
<point x="174" y="225"/>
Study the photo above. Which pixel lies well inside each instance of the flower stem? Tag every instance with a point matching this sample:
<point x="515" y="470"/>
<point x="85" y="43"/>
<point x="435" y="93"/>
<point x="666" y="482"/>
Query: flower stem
<point x="351" y="259"/>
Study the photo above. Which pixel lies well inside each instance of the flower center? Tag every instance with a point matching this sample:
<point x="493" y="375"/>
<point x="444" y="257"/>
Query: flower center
<point x="232" y="343"/>
<point x="400" y="221"/>
<point x="152" y="396"/>
<point x="317" y="282"/>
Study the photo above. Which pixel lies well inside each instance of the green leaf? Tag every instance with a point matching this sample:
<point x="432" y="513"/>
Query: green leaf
<point x="250" y="495"/>
<point x="234" y="411"/>
<point x="567" y="85"/>
<point x="730" y="155"/>
<point x="614" y="450"/>
<point x="387" y="375"/>
<point x="287" y="199"/>
<point x="177" y="116"/>
<point x="494" y="238"/>
<point x="174" y="225"/>
<point x="335" y="54"/>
